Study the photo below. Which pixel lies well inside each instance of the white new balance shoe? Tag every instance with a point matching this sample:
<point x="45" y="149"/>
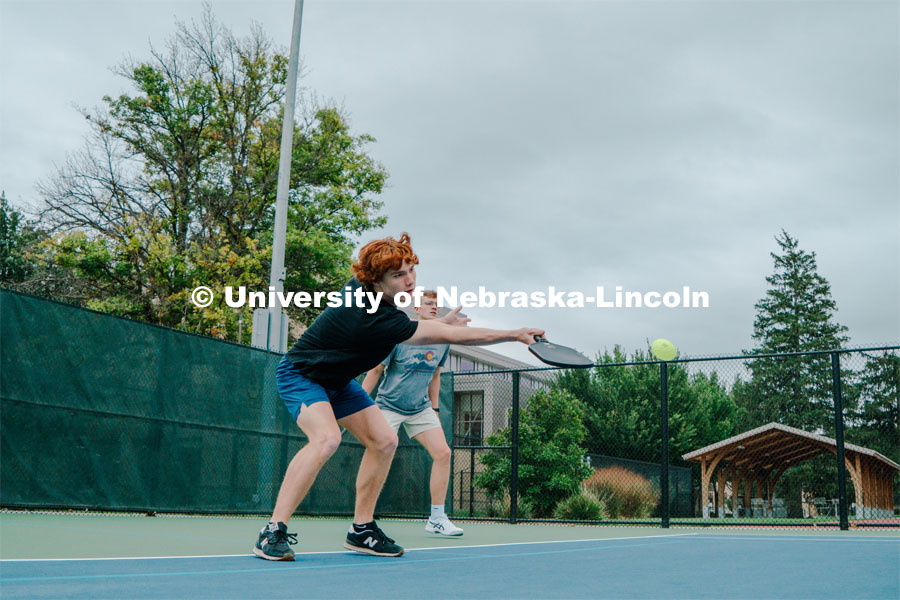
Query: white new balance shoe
<point x="443" y="526"/>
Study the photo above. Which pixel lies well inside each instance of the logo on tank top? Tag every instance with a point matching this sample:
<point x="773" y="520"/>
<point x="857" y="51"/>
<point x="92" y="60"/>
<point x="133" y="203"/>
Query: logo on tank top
<point x="423" y="361"/>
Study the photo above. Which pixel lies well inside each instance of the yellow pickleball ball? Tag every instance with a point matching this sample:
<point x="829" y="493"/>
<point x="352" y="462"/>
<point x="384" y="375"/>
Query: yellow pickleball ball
<point x="663" y="349"/>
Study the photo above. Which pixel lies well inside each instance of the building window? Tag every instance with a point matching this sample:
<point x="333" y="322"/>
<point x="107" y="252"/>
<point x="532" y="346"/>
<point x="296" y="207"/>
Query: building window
<point x="469" y="418"/>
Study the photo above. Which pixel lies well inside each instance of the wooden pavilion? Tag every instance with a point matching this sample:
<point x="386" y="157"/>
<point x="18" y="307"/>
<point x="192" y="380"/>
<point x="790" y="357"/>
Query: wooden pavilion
<point x="759" y="457"/>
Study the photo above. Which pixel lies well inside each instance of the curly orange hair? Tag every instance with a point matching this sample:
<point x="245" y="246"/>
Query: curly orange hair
<point x="379" y="256"/>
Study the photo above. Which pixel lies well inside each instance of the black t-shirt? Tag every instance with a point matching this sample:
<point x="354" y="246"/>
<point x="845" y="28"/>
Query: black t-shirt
<point x="346" y="341"/>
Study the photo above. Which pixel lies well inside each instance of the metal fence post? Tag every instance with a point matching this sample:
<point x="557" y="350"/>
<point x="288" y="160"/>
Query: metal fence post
<point x="514" y="459"/>
<point x="664" y="434"/>
<point x="448" y="420"/>
<point x="839" y="437"/>
<point x="471" y="479"/>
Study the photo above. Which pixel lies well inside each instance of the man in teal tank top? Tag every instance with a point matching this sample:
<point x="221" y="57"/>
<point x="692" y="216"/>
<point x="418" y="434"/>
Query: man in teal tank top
<point x="408" y="396"/>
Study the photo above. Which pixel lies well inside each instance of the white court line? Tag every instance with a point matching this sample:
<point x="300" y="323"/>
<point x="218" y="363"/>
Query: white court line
<point x="5" y="560"/>
<point x="801" y="538"/>
<point x="638" y="537"/>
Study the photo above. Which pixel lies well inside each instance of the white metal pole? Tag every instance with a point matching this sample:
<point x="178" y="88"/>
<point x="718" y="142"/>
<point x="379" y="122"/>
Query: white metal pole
<point x="277" y="338"/>
<point x="270" y="325"/>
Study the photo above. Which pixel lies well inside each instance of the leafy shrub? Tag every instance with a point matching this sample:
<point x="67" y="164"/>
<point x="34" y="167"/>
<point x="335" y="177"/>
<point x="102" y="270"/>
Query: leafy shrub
<point x="499" y="507"/>
<point x="625" y="494"/>
<point x="583" y="506"/>
<point x="551" y="465"/>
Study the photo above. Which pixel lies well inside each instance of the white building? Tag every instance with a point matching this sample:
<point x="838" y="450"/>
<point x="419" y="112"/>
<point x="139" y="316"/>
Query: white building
<point x="482" y="398"/>
<point x="482" y="402"/>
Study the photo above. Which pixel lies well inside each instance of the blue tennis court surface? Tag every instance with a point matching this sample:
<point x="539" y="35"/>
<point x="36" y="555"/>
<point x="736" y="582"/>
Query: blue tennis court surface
<point x="669" y="566"/>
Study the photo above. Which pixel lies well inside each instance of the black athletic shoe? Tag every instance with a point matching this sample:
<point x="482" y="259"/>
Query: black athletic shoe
<point x="372" y="540"/>
<point x="273" y="542"/>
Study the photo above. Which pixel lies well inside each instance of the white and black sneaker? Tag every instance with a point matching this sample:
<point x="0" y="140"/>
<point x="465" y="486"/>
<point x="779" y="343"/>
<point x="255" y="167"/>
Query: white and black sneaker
<point x="274" y="542"/>
<point x="443" y="526"/>
<point x="371" y="540"/>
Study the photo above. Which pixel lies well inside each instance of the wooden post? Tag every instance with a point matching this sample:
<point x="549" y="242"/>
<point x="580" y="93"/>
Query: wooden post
<point x="720" y="501"/>
<point x="704" y="489"/>
<point x="748" y="485"/>
<point x="712" y="469"/>
<point x="867" y="488"/>
<point x="857" y="484"/>
<point x="736" y="493"/>
<point x="760" y="486"/>
<point x="876" y="487"/>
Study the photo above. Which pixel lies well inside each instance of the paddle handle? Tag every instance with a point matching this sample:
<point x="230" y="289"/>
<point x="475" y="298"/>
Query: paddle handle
<point x="539" y="338"/>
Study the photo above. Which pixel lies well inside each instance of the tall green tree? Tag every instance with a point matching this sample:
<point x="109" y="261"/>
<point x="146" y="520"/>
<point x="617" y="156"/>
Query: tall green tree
<point x="796" y="315"/>
<point x="18" y="241"/>
<point x="551" y="456"/>
<point x="621" y="407"/>
<point x="876" y="423"/>
<point x="175" y="186"/>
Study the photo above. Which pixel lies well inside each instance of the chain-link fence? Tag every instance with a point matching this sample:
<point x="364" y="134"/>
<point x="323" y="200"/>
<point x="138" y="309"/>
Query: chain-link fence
<point x="796" y="439"/>
<point x="105" y="413"/>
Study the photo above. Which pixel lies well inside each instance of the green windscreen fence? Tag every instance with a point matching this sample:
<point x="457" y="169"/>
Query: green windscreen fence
<point x="106" y="413"/>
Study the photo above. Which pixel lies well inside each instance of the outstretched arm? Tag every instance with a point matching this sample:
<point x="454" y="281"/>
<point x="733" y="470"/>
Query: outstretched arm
<point x="435" y="332"/>
<point x="434" y="389"/>
<point x="372" y="378"/>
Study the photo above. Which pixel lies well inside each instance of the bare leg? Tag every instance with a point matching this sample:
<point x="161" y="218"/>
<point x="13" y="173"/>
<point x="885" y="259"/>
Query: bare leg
<point x="434" y="442"/>
<point x="318" y="423"/>
<point x="372" y="430"/>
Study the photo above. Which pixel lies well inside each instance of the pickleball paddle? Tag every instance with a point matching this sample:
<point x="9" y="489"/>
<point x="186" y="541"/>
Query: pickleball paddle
<point x="559" y="356"/>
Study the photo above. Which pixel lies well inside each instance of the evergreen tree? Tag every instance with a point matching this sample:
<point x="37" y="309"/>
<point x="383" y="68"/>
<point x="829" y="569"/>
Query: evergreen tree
<point x="796" y="315"/>
<point x="876" y="423"/>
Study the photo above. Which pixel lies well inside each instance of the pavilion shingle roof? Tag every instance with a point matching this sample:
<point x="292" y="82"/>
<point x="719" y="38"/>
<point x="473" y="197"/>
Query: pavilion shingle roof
<point x="789" y="431"/>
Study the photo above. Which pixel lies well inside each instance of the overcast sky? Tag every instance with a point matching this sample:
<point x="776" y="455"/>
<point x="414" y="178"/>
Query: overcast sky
<point x="648" y="145"/>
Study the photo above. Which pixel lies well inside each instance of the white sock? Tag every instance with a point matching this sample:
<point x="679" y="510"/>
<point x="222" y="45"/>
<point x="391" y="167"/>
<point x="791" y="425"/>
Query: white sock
<point x="437" y="511"/>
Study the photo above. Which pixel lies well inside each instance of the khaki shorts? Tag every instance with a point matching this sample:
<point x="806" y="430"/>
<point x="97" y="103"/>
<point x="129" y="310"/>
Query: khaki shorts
<point x="414" y="424"/>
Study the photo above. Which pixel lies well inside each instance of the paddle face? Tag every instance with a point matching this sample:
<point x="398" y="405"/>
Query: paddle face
<point x="559" y="356"/>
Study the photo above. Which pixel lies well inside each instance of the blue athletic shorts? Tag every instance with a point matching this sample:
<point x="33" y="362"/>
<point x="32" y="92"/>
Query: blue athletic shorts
<point x="296" y="390"/>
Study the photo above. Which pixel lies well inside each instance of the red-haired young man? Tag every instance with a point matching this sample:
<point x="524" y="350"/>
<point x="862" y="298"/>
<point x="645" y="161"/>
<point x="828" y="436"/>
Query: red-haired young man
<point x="316" y="381"/>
